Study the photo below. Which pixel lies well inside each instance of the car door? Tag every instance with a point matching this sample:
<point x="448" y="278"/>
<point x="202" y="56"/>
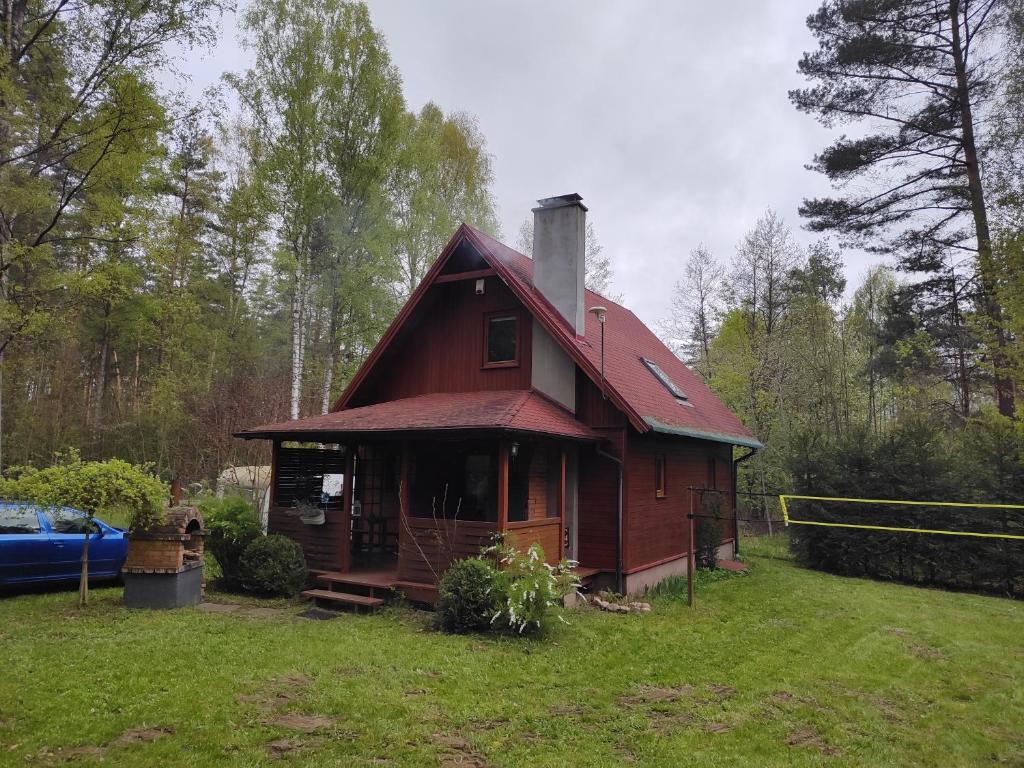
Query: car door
<point x="24" y="544"/>
<point x="107" y="550"/>
<point x="67" y="539"/>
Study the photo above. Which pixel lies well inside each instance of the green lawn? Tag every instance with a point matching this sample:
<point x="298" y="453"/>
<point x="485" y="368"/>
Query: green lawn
<point x="779" y="667"/>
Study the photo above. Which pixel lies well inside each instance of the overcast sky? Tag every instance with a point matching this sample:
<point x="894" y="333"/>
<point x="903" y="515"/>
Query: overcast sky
<point x="670" y="118"/>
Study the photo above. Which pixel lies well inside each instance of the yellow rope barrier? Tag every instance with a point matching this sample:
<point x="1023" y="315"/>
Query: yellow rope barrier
<point x="787" y="519"/>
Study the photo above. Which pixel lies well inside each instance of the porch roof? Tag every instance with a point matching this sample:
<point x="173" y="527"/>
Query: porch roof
<point x="524" y="411"/>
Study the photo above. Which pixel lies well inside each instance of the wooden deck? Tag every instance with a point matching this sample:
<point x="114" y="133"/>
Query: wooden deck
<point x="370" y="587"/>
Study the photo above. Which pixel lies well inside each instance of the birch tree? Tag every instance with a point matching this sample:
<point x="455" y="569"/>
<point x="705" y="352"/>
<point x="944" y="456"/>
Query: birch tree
<point x="692" y="322"/>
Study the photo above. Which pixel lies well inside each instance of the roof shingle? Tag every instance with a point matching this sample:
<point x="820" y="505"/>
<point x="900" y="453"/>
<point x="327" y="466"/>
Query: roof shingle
<point x="627" y="341"/>
<point x="511" y="411"/>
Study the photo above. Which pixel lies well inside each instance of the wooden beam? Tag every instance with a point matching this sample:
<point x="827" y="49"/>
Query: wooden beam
<point x="273" y="476"/>
<point x="403" y="485"/>
<point x="561" y="501"/>
<point x="404" y="532"/>
<point x="503" y="485"/>
<point x="345" y="535"/>
<point x="455" y="277"/>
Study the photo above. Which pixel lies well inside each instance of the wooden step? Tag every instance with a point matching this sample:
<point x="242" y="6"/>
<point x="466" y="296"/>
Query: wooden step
<point x="370" y="581"/>
<point x="343" y="597"/>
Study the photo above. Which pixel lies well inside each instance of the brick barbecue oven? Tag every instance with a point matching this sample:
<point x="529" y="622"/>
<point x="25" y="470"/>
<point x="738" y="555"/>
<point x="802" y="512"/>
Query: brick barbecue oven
<point x="164" y="567"/>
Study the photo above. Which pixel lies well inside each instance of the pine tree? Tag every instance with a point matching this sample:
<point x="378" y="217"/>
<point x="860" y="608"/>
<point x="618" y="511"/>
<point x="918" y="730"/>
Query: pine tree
<point x="924" y="75"/>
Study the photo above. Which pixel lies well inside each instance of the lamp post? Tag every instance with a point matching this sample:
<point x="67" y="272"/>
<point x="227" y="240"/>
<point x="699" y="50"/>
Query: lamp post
<point x="600" y="313"/>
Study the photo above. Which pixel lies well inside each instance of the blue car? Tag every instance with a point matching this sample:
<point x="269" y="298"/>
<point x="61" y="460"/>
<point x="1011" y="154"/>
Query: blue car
<point x="41" y="543"/>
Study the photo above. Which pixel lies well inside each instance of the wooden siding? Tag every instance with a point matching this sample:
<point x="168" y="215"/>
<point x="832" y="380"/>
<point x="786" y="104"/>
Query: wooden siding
<point x="547" y="533"/>
<point x="658" y="527"/>
<point x="597" y="509"/>
<point x="592" y="408"/>
<point x="441" y="349"/>
<point x="428" y="546"/>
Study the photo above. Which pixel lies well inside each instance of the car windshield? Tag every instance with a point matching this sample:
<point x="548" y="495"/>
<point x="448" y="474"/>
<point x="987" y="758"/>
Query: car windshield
<point x="18" y="519"/>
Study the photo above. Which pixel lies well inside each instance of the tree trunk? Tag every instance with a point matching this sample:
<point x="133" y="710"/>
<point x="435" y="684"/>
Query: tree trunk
<point x="83" y="582"/>
<point x="987" y="271"/>
<point x="298" y="297"/>
<point x="325" y="399"/>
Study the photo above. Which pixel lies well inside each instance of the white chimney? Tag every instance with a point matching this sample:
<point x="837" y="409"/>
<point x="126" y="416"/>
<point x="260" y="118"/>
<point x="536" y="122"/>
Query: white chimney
<point x="559" y="232"/>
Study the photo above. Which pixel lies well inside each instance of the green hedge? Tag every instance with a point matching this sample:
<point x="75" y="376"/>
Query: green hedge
<point x="917" y="461"/>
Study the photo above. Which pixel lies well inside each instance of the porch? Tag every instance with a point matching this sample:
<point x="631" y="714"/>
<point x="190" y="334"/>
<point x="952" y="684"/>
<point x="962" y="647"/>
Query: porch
<point x="394" y="514"/>
<point x="403" y="488"/>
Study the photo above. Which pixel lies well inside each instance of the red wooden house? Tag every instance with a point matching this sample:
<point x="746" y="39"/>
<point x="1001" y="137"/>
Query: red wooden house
<point x="506" y="397"/>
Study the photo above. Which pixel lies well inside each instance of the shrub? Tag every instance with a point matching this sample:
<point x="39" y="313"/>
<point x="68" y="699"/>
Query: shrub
<point x="708" y="531"/>
<point x="529" y="586"/>
<point x="272" y="565"/>
<point x="94" y="487"/>
<point x="468" y="596"/>
<point x="232" y="525"/>
<point x="709" y="537"/>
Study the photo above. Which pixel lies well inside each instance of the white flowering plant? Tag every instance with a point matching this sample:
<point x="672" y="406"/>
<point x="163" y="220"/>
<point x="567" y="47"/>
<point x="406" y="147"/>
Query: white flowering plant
<point x="529" y="586"/>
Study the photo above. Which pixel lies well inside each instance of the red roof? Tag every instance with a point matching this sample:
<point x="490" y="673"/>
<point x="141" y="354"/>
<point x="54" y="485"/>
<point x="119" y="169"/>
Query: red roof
<point x="510" y="411"/>
<point x="631" y="384"/>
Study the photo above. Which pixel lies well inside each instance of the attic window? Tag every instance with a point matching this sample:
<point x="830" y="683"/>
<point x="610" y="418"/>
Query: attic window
<point x="501" y="339"/>
<point x="670" y="385"/>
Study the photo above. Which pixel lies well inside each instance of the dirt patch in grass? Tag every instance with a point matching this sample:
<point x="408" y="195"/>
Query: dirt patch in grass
<point x="294" y="680"/>
<point x="665" y="721"/>
<point x="456" y="751"/>
<point x="282" y="747"/>
<point x="717" y="727"/>
<point x="289" y="688"/>
<point x="810" y="739"/>
<point x="129" y="738"/>
<point x="787" y="697"/>
<point x="652" y="694"/>
<point x="303" y="723"/>
<point x="722" y="692"/>
<point x="139" y="736"/>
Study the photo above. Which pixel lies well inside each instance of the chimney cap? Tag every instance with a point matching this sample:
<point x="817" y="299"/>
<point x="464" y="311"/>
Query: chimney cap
<point x="560" y="201"/>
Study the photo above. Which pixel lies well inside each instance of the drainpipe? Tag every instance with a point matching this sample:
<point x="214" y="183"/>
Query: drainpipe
<point x="618" y="523"/>
<point x="735" y="507"/>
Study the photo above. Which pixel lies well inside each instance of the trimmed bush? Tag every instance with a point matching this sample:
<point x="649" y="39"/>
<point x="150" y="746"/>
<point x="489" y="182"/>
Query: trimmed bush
<point x="468" y="596"/>
<point x="273" y="565"/>
<point x="232" y="525"/>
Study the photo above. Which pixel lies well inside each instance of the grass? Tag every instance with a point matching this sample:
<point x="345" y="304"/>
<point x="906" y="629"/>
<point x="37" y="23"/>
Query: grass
<point x="780" y="667"/>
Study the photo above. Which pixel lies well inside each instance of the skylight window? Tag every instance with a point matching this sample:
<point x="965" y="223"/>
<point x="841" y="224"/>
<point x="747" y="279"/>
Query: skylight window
<point x="670" y="385"/>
